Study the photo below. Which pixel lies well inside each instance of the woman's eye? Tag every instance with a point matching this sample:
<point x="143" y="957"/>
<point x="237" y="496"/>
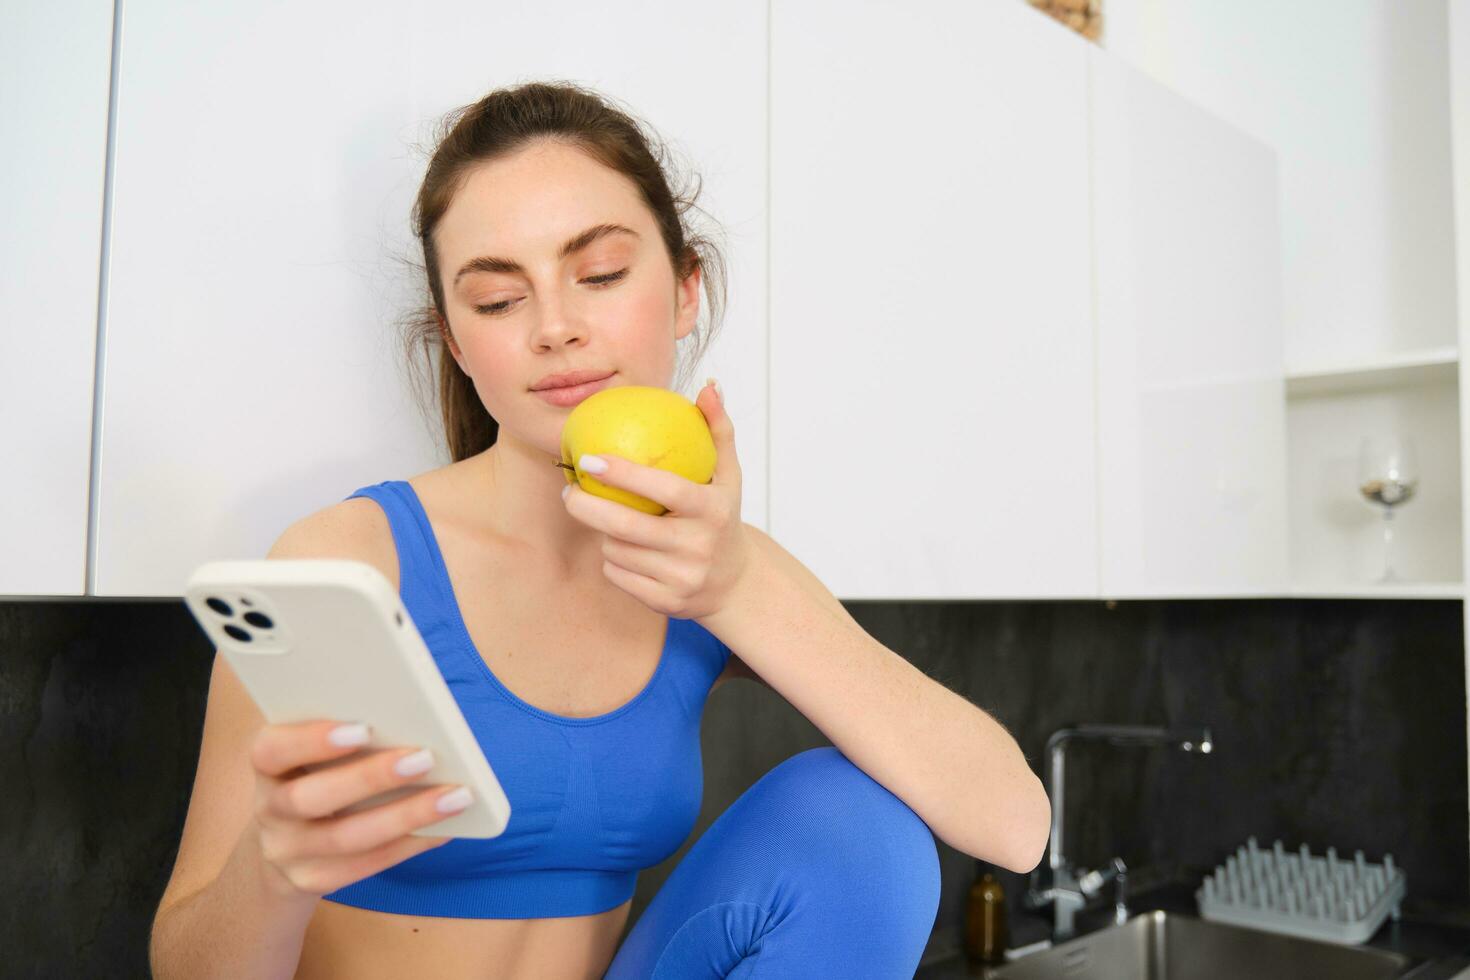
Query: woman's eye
<point x="604" y="280"/>
<point x="609" y="278"/>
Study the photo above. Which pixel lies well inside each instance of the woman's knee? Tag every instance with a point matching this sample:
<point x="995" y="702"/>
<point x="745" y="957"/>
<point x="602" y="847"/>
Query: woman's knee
<point x="830" y="807"/>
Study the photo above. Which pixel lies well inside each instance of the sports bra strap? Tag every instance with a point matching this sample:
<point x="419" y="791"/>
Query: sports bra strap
<point x="417" y="583"/>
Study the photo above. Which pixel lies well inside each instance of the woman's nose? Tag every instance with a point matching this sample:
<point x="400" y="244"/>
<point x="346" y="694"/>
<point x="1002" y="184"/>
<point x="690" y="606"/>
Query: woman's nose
<point x="557" y="321"/>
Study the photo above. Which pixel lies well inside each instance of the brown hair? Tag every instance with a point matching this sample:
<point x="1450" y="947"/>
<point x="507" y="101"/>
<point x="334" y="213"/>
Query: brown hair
<point x="503" y="122"/>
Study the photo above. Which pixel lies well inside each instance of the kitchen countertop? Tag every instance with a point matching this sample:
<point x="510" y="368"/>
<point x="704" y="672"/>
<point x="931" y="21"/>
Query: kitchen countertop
<point x="1438" y="935"/>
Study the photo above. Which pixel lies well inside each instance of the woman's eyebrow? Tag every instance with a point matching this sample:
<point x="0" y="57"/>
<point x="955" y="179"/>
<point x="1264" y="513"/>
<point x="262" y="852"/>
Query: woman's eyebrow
<point x="491" y="263"/>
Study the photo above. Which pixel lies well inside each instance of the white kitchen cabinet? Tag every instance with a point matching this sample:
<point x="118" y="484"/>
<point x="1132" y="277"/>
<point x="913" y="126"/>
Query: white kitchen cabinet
<point x="1190" y="411"/>
<point x="931" y="337"/>
<point x="1023" y="321"/>
<point x="1358" y="118"/>
<point x="55" y="62"/>
<point x="265" y="172"/>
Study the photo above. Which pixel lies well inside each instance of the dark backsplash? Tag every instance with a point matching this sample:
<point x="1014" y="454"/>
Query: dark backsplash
<point x="1335" y="722"/>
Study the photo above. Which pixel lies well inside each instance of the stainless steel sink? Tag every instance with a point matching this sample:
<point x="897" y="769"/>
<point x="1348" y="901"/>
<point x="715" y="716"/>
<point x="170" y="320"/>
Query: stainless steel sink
<point x="1162" y="945"/>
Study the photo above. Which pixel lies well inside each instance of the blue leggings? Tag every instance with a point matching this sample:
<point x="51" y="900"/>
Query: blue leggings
<point x="815" y="871"/>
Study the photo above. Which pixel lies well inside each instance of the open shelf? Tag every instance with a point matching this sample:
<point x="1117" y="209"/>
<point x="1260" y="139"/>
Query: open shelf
<point x="1335" y="537"/>
<point x="1374" y="590"/>
<point x="1437" y="365"/>
<point x="1307" y="590"/>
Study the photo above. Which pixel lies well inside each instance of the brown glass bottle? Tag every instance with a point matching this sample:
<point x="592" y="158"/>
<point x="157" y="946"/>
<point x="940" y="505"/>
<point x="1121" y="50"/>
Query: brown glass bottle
<point x="986" y="935"/>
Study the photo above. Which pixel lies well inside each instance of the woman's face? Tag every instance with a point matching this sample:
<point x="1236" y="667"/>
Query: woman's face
<point x="611" y="305"/>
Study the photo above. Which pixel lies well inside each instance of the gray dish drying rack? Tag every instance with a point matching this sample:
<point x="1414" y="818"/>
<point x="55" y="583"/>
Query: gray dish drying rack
<point x="1299" y="894"/>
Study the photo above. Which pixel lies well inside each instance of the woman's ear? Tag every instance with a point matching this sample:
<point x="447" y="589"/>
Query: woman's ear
<point x="448" y="337"/>
<point x="687" y="296"/>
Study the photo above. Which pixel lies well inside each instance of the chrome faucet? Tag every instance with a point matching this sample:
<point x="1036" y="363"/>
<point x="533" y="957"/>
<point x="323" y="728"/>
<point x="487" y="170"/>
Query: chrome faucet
<point x="1071" y="887"/>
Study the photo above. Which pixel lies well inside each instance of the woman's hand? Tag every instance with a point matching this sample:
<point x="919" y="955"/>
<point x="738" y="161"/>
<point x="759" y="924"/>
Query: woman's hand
<point x="306" y="846"/>
<point x="687" y="562"/>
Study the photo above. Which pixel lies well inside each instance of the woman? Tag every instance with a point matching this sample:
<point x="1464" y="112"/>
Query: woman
<point x="581" y="639"/>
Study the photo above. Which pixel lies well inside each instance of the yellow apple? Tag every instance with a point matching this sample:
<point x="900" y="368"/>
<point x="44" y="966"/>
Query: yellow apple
<point x="650" y="426"/>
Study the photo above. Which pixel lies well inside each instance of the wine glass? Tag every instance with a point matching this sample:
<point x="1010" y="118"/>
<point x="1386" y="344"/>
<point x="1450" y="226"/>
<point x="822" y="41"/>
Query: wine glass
<point x="1388" y="474"/>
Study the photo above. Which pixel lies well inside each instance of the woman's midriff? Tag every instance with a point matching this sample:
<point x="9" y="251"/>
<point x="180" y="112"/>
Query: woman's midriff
<point x="343" y="941"/>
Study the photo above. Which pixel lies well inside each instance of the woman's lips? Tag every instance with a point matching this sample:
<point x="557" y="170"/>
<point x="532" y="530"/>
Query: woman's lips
<point x="566" y="397"/>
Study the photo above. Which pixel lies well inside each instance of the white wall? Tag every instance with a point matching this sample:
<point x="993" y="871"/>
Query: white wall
<point x="1354" y="95"/>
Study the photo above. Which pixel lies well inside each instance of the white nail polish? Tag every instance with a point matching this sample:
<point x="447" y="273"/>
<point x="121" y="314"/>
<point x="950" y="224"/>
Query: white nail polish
<point x="348" y="735"/>
<point x="412" y="765"/>
<point x="457" y="800"/>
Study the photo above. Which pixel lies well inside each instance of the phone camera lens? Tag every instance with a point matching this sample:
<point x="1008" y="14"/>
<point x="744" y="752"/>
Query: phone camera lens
<point x="239" y="634"/>
<point x="259" y="619"/>
<point x="219" y="605"/>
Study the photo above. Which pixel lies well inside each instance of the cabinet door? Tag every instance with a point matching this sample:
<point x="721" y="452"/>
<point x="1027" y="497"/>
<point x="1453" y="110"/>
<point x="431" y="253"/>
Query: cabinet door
<point x="268" y="155"/>
<point x="1191" y="408"/>
<point x="55" y="67"/>
<point x="931" y="334"/>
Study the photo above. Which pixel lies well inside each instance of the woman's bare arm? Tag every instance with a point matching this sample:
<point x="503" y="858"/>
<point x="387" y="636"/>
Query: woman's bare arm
<point x="240" y="925"/>
<point x="228" y="911"/>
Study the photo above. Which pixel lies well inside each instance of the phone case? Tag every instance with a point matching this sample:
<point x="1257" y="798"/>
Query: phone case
<point x="315" y="638"/>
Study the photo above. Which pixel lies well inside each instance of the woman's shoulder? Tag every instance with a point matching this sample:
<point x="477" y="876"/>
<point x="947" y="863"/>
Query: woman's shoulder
<point x="356" y="528"/>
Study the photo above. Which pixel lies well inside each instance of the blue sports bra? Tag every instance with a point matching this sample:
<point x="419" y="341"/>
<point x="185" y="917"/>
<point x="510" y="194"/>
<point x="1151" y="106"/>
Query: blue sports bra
<point x="593" y="800"/>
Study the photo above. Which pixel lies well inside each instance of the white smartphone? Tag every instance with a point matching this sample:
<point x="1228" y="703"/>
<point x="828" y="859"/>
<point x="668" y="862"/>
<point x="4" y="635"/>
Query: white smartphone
<point x="316" y="638"/>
